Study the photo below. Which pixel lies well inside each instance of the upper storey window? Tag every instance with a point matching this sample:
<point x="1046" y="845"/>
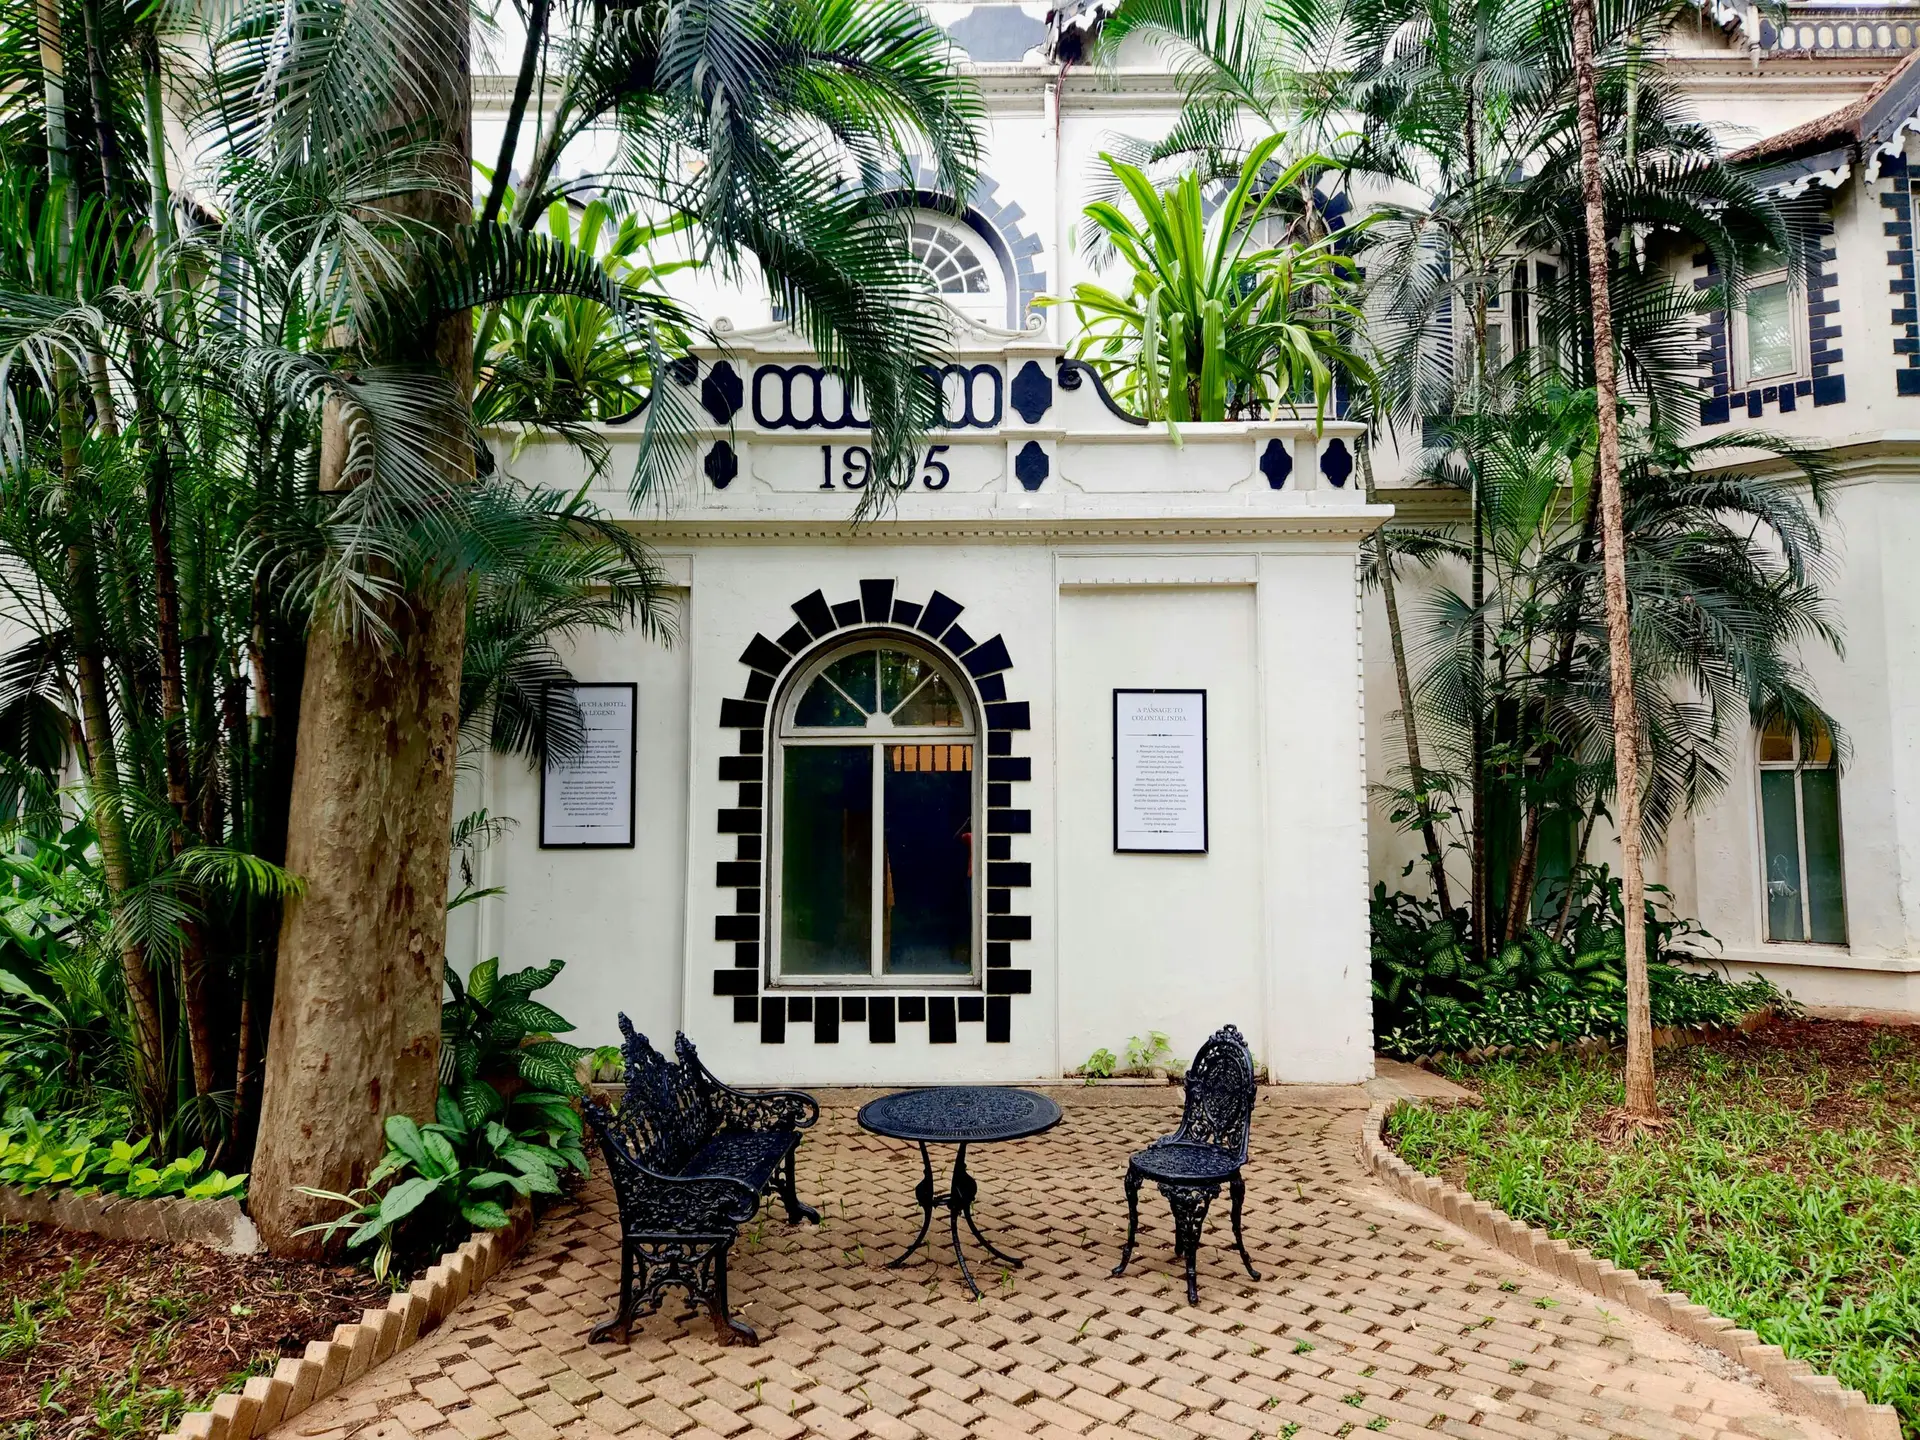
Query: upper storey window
<point x="1769" y="341"/>
<point x="963" y="269"/>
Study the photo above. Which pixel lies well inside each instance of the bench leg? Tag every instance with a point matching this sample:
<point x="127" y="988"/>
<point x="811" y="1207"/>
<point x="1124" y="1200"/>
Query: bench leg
<point x="1133" y="1220"/>
<point x="726" y="1329"/>
<point x="622" y="1321"/>
<point x="789" y="1192"/>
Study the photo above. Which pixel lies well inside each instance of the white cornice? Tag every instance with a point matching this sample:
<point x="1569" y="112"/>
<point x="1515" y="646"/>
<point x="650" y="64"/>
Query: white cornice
<point x="1344" y="526"/>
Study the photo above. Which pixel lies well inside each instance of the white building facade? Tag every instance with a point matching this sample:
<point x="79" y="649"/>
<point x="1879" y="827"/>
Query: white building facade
<point x="882" y="775"/>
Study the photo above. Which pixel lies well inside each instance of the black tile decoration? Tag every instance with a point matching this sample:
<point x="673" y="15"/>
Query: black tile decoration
<point x="1031" y="393"/>
<point x="766" y="662"/>
<point x="876" y="600"/>
<point x="999" y="1020"/>
<point x="762" y="654"/>
<point x="1276" y="463"/>
<point x="940" y="1020"/>
<point x="941" y="611"/>
<point x="1898" y="199"/>
<point x="988" y="657"/>
<point x="1031" y="465"/>
<point x="815" y="615"/>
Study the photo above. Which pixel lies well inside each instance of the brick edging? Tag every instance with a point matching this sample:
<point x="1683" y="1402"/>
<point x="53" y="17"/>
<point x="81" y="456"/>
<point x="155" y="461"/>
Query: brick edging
<point x="1805" y="1390"/>
<point x="169" y="1220"/>
<point x="269" y="1401"/>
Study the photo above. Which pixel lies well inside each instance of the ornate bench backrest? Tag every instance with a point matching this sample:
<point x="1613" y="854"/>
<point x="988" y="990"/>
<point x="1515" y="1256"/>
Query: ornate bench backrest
<point x="1220" y="1093"/>
<point x="664" y="1117"/>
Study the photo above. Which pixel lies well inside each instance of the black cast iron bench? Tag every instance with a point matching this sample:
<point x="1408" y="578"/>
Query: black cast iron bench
<point x="689" y="1158"/>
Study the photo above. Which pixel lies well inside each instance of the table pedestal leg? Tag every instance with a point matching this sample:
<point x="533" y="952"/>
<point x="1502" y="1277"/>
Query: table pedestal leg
<point x="923" y="1192"/>
<point x="961" y="1191"/>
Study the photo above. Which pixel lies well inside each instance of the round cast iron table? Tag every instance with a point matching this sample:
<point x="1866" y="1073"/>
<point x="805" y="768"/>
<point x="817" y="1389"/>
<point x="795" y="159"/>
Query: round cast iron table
<point x="959" y="1115"/>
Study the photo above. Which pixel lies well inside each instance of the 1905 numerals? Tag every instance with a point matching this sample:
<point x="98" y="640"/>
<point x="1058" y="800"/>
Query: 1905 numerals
<point x="856" y="467"/>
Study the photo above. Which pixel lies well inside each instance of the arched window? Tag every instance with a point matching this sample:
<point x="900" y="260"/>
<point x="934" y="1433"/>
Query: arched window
<point x="874" y="823"/>
<point x="964" y="270"/>
<point x="1800" y="855"/>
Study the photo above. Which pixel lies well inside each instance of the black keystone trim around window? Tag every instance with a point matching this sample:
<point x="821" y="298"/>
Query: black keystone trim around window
<point x="743" y="978"/>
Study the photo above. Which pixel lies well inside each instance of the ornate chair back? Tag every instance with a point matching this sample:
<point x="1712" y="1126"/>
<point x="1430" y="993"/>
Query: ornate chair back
<point x="1220" y="1094"/>
<point x="663" y="1115"/>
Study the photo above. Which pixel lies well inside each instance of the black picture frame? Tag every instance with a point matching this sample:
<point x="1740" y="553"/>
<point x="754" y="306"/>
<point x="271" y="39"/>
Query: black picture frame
<point x="1206" y="786"/>
<point x="633" y="771"/>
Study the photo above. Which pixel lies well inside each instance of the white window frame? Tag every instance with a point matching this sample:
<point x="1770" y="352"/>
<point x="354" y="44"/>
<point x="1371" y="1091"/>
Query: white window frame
<point x="1795" y="766"/>
<point x="1737" y="317"/>
<point x="989" y="305"/>
<point x="877" y="734"/>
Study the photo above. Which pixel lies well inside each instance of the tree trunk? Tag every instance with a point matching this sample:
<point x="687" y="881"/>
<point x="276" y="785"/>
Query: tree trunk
<point x="355" y="1033"/>
<point x="1416" y="772"/>
<point x="1640" y="1098"/>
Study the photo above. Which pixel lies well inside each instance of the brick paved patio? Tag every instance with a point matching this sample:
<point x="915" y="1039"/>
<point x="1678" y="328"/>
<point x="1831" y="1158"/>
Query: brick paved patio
<point x="1372" y="1317"/>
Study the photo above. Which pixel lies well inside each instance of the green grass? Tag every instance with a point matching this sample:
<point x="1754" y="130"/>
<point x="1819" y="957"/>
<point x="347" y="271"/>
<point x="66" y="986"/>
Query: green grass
<point x="1782" y="1193"/>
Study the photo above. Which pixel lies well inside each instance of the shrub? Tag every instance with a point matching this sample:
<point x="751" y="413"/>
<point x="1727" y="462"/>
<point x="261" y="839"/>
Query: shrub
<point x="1433" y="995"/>
<point x="78" y="1156"/>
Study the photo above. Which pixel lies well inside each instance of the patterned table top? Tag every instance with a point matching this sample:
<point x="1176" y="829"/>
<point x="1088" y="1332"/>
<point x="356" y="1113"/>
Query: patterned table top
<point x="960" y="1114"/>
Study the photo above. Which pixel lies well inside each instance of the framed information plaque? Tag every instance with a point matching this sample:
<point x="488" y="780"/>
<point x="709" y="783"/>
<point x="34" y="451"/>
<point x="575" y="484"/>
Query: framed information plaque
<point x="586" y="800"/>
<point x="1160" y="772"/>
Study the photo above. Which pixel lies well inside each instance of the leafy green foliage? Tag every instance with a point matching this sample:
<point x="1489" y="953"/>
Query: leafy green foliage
<point x="1779" y="1193"/>
<point x="78" y="1156"/>
<point x="1100" y="1065"/>
<point x="463" y="1171"/>
<point x="491" y="1027"/>
<point x="1433" y="995"/>
<point x="1214" y="325"/>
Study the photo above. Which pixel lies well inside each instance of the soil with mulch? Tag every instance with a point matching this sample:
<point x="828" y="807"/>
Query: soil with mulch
<point x="112" y="1339"/>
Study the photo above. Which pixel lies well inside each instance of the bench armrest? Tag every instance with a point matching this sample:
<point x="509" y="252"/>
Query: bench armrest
<point x="760" y="1112"/>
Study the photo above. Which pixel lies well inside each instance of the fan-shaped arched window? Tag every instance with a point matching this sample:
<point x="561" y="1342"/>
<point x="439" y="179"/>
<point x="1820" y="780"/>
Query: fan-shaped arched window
<point x="964" y="269"/>
<point x="873" y="844"/>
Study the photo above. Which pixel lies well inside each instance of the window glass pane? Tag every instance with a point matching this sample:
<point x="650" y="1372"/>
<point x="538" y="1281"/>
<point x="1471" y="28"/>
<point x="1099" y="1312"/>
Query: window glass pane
<point x="824" y="705"/>
<point x="928" y="825"/>
<point x="854" y="675"/>
<point x="826" y="861"/>
<point x="900" y="675"/>
<point x="1819" y="750"/>
<point x="1776" y="741"/>
<point x="931" y="704"/>
<point x="1826" y="894"/>
<point x="1780" y="854"/>
<point x="1770" y="331"/>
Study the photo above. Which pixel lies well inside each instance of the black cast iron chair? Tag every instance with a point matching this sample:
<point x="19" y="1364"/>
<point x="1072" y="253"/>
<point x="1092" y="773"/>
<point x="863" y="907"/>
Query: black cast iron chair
<point x="1206" y="1152"/>
<point x="689" y="1158"/>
